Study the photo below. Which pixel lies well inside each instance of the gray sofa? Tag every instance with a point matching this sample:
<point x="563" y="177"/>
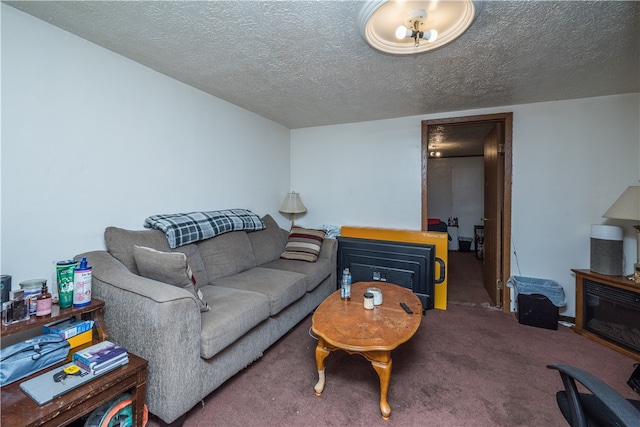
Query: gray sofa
<point x="254" y="298"/>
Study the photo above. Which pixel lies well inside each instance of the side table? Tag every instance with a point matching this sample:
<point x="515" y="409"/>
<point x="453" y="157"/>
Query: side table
<point x="18" y="409"/>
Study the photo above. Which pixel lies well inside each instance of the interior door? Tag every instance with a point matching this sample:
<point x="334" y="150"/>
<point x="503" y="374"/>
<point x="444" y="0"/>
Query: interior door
<point x="497" y="195"/>
<point x="493" y="190"/>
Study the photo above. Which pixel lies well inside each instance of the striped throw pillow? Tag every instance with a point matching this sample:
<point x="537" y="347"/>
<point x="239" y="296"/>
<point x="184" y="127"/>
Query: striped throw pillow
<point x="303" y="244"/>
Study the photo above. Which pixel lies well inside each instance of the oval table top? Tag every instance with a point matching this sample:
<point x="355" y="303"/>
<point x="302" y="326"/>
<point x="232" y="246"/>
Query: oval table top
<point x="349" y="326"/>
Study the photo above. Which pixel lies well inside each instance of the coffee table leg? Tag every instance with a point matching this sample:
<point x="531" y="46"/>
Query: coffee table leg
<point x="321" y="353"/>
<point x="382" y="366"/>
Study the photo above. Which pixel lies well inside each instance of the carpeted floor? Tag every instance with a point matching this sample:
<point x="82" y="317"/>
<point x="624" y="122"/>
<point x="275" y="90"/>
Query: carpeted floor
<point x="465" y="280"/>
<point x="470" y="365"/>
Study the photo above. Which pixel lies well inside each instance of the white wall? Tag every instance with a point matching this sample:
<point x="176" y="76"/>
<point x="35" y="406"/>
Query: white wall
<point x="359" y="174"/>
<point x="92" y="139"/>
<point x="571" y="160"/>
<point x="1" y="9"/>
<point x="456" y="189"/>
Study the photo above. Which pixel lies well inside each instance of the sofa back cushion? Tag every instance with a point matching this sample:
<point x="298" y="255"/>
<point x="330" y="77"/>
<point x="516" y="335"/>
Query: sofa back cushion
<point x="120" y="243"/>
<point x="226" y="254"/>
<point x="269" y="243"/>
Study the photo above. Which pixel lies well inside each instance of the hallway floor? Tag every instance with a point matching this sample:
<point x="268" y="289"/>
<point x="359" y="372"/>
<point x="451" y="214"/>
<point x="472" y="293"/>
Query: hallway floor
<point x="465" y="280"/>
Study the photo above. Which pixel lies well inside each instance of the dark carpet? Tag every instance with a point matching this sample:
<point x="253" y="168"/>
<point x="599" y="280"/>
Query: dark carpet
<point x="465" y="280"/>
<point x="470" y="365"/>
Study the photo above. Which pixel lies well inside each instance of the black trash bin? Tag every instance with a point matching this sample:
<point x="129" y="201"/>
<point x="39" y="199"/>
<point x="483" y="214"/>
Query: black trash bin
<point x="464" y="244"/>
<point x="538" y="301"/>
<point x="537" y="310"/>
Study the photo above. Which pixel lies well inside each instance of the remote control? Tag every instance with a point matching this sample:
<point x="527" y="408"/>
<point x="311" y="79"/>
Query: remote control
<point x="406" y="308"/>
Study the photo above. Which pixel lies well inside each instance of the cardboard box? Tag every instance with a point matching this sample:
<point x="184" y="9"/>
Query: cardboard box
<point x="80" y="339"/>
<point x="68" y="328"/>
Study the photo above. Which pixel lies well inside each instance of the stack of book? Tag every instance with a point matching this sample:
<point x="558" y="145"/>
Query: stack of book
<point x="101" y="357"/>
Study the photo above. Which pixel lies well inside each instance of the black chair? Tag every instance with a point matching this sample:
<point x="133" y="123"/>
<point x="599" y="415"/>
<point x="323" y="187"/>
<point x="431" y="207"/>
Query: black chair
<point x="602" y="407"/>
<point x="441" y="226"/>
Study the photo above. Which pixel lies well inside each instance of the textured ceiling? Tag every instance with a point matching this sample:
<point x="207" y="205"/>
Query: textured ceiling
<point x="458" y="140"/>
<point x="304" y="63"/>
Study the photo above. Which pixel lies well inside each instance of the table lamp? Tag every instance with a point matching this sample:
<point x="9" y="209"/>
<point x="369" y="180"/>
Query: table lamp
<point x="292" y="205"/>
<point x="627" y="207"/>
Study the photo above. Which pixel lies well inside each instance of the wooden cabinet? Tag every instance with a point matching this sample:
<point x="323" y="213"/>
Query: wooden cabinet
<point x="18" y="409"/>
<point x="608" y="285"/>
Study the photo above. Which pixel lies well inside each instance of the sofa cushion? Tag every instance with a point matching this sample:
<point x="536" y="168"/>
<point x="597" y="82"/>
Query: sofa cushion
<point x="168" y="267"/>
<point x="226" y="254"/>
<point x="269" y="243"/>
<point x="234" y="312"/>
<point x="303" y="244"/>
<point x="281" y="287"/>
<point x="314" y="272"/>
<point x="120" y="243"/>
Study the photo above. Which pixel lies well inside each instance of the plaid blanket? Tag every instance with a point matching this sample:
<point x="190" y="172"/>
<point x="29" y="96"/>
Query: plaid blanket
<point x="185" y="228"/>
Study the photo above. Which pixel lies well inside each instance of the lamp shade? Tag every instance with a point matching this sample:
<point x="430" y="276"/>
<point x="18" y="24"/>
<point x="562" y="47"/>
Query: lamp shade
<point x="292" y="204"/>
<point x="627" y="206"/>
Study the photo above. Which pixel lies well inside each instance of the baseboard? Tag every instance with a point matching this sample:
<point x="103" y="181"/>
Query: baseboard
<point x="567" y="319"/>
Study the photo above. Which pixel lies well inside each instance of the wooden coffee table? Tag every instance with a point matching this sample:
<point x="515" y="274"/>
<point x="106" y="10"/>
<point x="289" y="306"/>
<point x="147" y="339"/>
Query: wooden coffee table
<point x="348" y="326"/>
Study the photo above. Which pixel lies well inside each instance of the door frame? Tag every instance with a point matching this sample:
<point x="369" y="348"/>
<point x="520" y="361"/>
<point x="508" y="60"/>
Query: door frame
<point x="506" y="119"/>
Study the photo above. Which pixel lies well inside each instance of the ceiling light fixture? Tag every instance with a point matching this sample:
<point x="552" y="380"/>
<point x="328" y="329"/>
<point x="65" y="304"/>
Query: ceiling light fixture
<point x="409" y="27"/>
<point x="415" y="20"/>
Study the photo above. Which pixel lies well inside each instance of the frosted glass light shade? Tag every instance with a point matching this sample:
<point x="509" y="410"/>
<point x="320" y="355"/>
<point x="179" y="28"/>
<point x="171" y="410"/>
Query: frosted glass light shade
<point x="445" y="21"/>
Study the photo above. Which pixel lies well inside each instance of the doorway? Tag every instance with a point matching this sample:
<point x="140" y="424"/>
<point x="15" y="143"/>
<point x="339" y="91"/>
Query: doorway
<point x="497" y="153"/>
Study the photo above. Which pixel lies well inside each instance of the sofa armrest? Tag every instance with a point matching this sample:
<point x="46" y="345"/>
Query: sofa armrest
<point x="153" y="320"/>
<point x="329" y="249"/>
